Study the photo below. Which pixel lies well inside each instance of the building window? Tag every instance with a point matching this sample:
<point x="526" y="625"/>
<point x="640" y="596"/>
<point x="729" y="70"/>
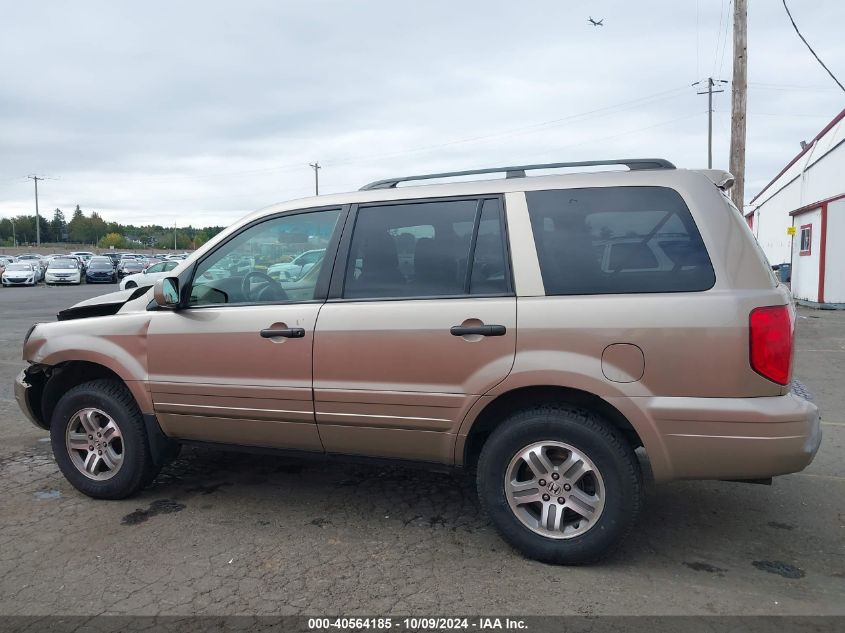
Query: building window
<point x="806" y="239"/>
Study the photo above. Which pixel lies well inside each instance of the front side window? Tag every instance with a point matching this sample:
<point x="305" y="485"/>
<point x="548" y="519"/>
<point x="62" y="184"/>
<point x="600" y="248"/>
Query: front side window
<point x="427" y="249"/>
<point x="617" y="240"/>
<point x="258" y="265"/>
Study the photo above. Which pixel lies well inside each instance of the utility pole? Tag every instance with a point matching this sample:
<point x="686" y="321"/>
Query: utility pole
<point x="709" y="92"/>
<point x="14" y="236"/>
<point x="37" y="216"/>
<point x="174" y="236"/>
<point x="316" y="167"/>
<point x="739" y="101"/>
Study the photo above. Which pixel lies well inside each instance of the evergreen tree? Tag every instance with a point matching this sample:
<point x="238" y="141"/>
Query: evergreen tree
<point x="58" y="226"/>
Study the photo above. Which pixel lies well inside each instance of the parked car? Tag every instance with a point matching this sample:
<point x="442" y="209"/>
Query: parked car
<point x="784" y="271"/>
<point x="84" y="256"/>
<point x="129" y="266"/>
<point x="63" y="270"/>
<point x="24" y="273"/>
<point x="4" y="261"/>
<point x="34" y="258"/>
<point x="114" y="257"/>
<point x="38" y="260"/>
<point x="536" y="331"/>
<point x="293" y="270"/>
<point x="101" y="270"/>
<point x="148" y="276"/>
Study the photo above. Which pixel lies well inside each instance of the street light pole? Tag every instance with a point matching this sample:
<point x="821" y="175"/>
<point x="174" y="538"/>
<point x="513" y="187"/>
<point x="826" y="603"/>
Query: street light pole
<point x="174" y="236"/>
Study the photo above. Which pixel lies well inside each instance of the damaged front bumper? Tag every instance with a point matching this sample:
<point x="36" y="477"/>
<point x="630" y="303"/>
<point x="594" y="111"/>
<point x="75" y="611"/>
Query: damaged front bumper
<point x="25" y="390"/>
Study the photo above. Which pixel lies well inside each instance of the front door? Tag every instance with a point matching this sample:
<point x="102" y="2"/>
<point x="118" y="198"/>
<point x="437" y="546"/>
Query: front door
<point x="234" y="365"/>
<point x="421" y="321"/>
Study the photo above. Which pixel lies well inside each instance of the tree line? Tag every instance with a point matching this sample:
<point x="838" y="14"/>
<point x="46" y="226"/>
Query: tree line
<point x="95" y="231"/>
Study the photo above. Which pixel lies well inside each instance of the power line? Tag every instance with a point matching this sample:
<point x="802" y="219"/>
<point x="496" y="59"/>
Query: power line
<point x="718" y="34"/>
<point x="725" y="40"/>
<point x="597" y="113"/>
<point x="818" y="59"/>
<point x="769" y="86"/>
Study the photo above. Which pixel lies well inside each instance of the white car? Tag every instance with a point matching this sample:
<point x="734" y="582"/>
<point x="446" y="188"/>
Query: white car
<point x="63" y="270"/>
<point x="20" y="274"/>
<point x="296" y="269"/>
<point x="149" y="276"/>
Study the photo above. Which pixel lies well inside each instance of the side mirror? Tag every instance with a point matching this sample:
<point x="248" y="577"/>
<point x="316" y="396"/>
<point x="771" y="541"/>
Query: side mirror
<point x="166" y="292"/>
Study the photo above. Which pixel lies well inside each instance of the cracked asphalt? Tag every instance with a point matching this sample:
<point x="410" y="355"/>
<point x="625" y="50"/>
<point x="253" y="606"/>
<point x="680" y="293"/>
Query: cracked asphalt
<point x="230" y="533"/>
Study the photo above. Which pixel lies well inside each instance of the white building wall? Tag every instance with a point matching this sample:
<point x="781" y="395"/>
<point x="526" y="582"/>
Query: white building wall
<point x="805" y="268"/>
<point x="771" y="222"/>
<point x="815" y="176"/>
<point x="834" y="275"/>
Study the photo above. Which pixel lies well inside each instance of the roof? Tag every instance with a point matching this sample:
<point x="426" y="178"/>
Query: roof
<point x="827" y="128"/>
<point x="816" y="205"/>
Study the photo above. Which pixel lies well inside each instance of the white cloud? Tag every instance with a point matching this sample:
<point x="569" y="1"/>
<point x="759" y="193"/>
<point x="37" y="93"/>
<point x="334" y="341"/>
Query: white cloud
<point x="201" y="111"/>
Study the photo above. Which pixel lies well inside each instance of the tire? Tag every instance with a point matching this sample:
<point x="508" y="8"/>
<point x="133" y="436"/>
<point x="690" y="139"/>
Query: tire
<point x="131" y="284"/>
<point x="567" y="435"/>
<point x="111" y="402"/>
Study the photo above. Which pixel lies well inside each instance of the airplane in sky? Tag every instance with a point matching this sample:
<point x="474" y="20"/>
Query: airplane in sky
<point x="596" y="22"/>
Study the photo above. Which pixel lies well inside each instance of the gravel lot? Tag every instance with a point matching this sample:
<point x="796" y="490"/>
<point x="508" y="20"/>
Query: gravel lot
<point x="229" y="533"/>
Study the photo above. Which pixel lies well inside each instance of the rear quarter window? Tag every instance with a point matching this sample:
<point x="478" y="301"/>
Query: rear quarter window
<point x="617" y="240"/>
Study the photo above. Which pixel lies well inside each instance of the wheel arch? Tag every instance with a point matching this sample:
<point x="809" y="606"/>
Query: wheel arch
<point x="54" y="381"/>
<point x="496" y="411"/>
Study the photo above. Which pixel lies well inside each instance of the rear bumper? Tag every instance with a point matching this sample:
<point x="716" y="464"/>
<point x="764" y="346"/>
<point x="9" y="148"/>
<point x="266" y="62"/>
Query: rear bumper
<point x="730" y="438"/>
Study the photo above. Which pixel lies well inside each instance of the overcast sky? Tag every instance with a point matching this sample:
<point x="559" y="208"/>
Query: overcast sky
<point x="197" y="112"/>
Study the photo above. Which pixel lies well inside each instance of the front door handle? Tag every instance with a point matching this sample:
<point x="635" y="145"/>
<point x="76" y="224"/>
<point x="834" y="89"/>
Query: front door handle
<point x="483" y="330"/>
<point x="288" y="332"/>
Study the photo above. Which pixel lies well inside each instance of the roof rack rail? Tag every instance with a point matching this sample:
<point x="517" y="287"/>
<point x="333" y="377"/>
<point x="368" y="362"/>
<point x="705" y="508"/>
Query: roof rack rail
<point x="518" y="171"/>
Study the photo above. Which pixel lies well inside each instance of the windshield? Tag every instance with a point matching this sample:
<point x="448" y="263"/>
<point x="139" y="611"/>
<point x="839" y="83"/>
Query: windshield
<point x="100" y="263"/>
<point x="19" y="266"/>
<point x="62" y="263"/>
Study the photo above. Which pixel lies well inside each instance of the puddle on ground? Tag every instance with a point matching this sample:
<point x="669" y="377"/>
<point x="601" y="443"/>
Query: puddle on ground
<point x="159" y="506"/>
<point x="698" y="566"/>
<point x="47" y="494"/>
<point x="780" y="568"/>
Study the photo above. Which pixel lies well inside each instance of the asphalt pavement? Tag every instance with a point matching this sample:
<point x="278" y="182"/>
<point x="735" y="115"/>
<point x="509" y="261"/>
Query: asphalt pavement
<point x="230" y="533"/>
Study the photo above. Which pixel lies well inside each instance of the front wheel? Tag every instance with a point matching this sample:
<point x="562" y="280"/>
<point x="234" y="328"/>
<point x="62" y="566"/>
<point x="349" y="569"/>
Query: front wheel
<point x="99" y="440"/>
<point x="131" y="284"/>
<point x="560" y="484"/>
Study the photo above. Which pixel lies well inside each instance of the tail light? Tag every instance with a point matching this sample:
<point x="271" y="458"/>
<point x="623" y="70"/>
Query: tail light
<point x="771" y="339"/>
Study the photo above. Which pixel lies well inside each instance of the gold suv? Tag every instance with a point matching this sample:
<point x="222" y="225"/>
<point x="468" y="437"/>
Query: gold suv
<point x="537" y="330"/>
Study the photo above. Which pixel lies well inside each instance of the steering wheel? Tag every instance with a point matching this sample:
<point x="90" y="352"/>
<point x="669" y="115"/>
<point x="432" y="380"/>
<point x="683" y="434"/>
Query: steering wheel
<point x="269" y="290"/>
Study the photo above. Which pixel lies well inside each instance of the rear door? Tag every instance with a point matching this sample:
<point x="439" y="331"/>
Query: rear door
<point x="420" y="322"/>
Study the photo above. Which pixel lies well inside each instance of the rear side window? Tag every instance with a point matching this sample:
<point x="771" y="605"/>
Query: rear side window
<point x="443" y="248"/>
<point x="617" y="240"/>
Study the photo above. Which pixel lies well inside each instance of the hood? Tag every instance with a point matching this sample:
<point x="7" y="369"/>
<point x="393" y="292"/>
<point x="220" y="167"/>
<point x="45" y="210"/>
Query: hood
<point x="104" y="305"/>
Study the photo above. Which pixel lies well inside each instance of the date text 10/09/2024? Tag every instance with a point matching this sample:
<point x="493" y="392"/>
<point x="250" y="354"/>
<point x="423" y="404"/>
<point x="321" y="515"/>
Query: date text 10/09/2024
<point x="416" y="624"/>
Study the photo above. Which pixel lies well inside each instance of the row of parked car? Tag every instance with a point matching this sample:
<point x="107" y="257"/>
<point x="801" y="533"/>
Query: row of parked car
<point x="130" y="269"/>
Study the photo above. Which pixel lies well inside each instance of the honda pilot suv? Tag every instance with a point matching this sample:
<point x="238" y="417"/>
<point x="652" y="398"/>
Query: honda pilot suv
<point x="536" y="331"/>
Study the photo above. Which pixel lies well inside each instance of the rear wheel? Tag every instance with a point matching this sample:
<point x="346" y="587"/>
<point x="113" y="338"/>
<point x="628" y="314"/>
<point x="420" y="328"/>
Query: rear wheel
<point x="560" y="484"/>
<point x="99" y="440"/>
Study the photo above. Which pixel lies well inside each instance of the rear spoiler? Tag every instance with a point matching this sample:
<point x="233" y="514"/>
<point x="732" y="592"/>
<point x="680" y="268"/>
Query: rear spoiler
<point x="724" y="180"/>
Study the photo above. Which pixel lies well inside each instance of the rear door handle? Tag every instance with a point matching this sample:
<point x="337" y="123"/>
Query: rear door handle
<point x="290" y="332"/>
<point x="483" y="330"/>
